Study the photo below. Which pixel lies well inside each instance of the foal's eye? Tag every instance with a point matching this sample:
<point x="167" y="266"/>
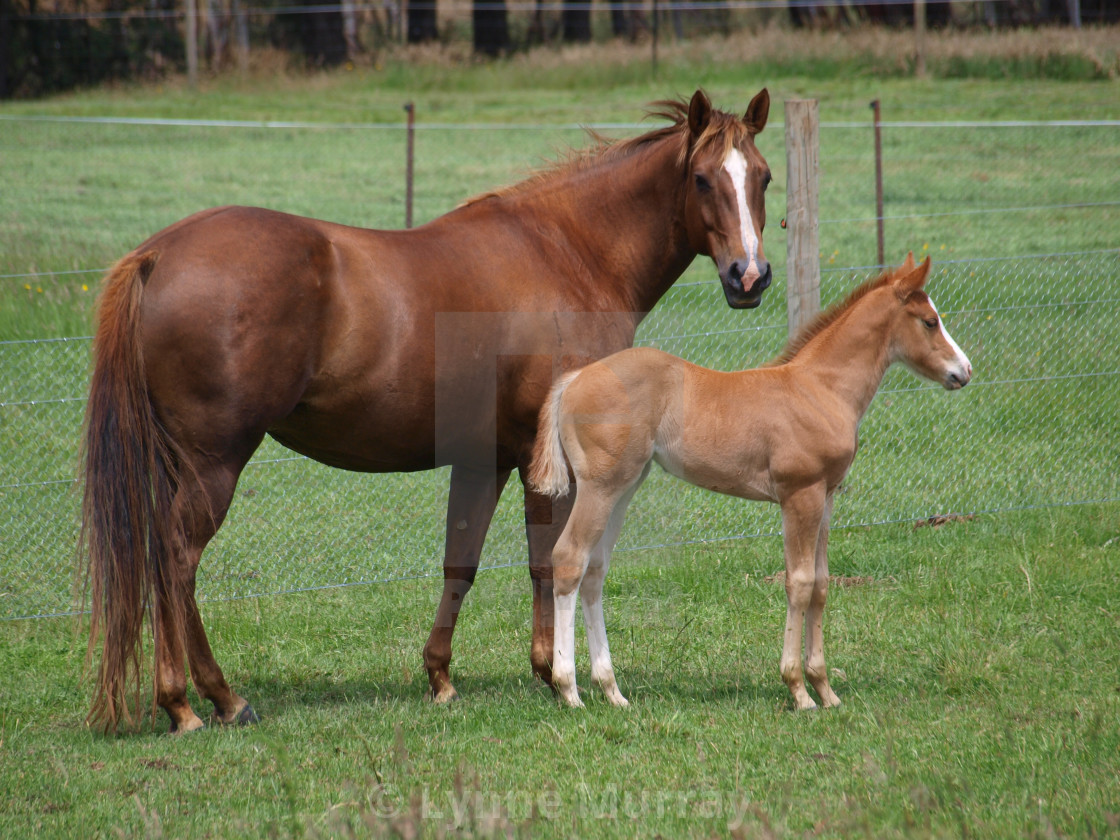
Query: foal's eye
<point x="702" y="184"/>
<point x="931" y="323"/>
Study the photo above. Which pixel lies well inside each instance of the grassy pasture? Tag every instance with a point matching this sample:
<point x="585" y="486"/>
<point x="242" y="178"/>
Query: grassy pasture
<point x="978" y="661"/>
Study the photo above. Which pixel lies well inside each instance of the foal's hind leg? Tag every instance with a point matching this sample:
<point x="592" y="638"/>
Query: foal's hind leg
<point x="200" y="508"/>
<point x="470" y="508"/>
<point x="586" y="526"/>
<point x="815" y="668"/>
<point x="591" y="594"/>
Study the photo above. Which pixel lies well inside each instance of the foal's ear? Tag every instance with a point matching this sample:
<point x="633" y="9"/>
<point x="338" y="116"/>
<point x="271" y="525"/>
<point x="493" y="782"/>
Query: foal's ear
<point x="699" y="112"/>
<point x="908" y="263"/>
<point x="909" y="281"/>
<point x="757" y="112"/>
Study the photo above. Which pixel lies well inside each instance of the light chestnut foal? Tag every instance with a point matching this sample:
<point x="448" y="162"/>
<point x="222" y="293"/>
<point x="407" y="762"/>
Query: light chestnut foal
<point x="782" y="433"/>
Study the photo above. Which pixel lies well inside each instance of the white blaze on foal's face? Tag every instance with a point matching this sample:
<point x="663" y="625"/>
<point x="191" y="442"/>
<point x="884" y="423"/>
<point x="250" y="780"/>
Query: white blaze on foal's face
<point x="735" y="164"/>
<point x="965" y="366"/>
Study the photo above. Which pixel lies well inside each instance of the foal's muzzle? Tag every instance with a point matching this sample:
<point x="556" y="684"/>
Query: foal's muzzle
<point x="742" y="295"/>
<point x="957" y="379"/>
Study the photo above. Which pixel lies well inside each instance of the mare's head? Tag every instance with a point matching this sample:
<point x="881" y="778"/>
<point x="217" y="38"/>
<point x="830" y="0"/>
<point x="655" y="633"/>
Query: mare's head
<point x="920" y="339"/>
<point x="725" y="207"/>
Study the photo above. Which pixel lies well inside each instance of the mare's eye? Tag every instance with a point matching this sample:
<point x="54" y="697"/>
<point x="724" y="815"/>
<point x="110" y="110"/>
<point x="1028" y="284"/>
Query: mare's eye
<point x="766" y="181"/>
<point x="702" y="184"/>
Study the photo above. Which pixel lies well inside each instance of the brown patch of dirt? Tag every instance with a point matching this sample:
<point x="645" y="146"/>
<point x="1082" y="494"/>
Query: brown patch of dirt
<point x="835" y="580"/>
<point x="938" y="521"/>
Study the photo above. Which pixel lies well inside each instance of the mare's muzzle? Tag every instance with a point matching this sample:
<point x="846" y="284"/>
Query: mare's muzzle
<point x="742" y="295"/>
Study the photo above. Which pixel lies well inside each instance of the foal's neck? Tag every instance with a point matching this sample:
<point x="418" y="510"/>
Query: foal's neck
<point x="852" y="354"/>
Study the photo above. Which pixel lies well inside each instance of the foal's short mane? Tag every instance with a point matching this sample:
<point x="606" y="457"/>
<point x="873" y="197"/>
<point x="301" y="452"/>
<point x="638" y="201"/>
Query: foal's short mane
<point x="722" y="128"/>
<point x="830" y="316"/>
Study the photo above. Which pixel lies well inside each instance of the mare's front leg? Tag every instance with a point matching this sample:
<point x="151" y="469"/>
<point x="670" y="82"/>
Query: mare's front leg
<point x="815" y="668"/>
<point x="545" y="519"/>
<point x="470" y="508"/>
<point x="802" y="513"/>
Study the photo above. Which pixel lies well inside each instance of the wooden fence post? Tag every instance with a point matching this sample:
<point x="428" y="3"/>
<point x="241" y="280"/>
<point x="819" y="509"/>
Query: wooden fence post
<point x="803" y="266"/>
<point x="191" y="12"/>
<point x="920" y="38"/>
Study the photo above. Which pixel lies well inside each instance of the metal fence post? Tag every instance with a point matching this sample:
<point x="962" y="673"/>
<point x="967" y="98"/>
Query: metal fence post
<point x="803" y="268"/>
<point x="408" y="166"/>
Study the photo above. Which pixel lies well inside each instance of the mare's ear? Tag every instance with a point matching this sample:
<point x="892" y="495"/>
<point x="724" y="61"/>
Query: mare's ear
<point x="757" y="112"/>
<point x="699" y="112"/>
<point x="908" y="282"/>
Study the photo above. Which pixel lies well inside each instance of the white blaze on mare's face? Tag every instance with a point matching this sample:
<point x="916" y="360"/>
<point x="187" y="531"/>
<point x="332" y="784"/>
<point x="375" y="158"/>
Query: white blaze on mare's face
<point x="962" y="359"/>
<point x="736" y="166"/>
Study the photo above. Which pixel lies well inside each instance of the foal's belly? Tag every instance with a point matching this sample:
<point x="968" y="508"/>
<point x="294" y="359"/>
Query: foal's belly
<point x="718" y="476"/>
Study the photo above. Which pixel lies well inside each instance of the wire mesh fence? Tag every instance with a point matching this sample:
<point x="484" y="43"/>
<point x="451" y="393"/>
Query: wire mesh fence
<point x="1026" y="274"/>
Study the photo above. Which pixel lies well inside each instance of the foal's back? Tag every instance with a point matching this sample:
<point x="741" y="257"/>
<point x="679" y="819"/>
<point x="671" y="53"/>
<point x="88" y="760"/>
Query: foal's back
<point x="742" y="433"/>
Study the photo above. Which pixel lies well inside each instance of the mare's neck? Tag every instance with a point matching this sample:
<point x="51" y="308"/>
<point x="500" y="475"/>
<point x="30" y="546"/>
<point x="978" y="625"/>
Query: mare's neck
<point x="624" y="224"/>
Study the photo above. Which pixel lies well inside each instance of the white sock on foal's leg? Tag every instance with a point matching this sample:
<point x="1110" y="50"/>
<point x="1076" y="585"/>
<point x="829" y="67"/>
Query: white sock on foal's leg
<point x="563" y="648"/>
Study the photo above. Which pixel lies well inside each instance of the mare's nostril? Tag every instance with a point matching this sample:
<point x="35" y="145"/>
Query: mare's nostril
<point x="765" y="277"/>
<point x="736" y="271"/>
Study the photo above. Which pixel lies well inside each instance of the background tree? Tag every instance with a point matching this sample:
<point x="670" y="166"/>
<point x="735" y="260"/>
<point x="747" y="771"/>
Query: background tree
<point x="420" y="21"/>
<point x="576" y="21"/>
<point x="491" y="27"/>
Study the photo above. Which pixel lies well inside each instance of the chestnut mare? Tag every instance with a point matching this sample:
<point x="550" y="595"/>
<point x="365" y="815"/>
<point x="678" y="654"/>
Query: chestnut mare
<point x="380" y="352"/>
<point x="783" y="433"/>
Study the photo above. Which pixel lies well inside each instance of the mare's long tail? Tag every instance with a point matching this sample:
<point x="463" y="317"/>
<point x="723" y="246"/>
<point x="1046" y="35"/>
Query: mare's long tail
<point x="548" y="474"/>
<point x="130" y="473"/>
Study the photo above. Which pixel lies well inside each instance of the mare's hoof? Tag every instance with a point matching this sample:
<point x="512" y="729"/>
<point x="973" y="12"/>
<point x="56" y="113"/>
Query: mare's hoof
<point x="245" y="717"/>
<point x="190" y="726"/>
<point x="445" y="695"/>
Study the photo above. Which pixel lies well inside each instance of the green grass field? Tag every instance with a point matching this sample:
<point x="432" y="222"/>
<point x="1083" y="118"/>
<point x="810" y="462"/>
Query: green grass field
<point x="978" y="661"/>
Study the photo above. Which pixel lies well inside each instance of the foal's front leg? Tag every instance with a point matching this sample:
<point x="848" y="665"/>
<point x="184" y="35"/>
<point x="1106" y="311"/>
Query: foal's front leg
<point x="815" y="668"/>
<point x="802" y="513"/>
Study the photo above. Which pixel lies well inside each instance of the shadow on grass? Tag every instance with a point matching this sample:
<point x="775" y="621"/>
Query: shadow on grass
<point x="645" y="688"/>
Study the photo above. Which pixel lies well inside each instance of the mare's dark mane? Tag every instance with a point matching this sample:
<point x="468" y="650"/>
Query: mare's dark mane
<point x="729" y="129"/>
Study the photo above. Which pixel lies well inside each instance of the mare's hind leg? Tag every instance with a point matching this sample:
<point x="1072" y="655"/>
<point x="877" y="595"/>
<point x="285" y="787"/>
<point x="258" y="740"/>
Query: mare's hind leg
<point x="802" y="513"/>
<point x="815" y="668"/>
<point x="545" y="519"/>
<point x="591" y="594"/>
<point x="200" y="507"/>
<point x="470" y="508"/>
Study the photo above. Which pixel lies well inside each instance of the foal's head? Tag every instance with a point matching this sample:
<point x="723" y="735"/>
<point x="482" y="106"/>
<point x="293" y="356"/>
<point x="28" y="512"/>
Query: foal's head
<point x="725" y="208"/>
<point x="920" y="339"/>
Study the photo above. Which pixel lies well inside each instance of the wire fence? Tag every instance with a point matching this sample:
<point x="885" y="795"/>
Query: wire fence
<point x="1026" y="251"/>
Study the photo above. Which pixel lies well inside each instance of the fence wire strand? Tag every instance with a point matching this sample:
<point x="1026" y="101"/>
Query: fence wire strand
<point x="1036" y="428"/>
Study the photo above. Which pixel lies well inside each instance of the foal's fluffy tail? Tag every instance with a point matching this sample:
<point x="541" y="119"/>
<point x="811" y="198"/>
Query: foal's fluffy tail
<point x="548" y="474"/>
